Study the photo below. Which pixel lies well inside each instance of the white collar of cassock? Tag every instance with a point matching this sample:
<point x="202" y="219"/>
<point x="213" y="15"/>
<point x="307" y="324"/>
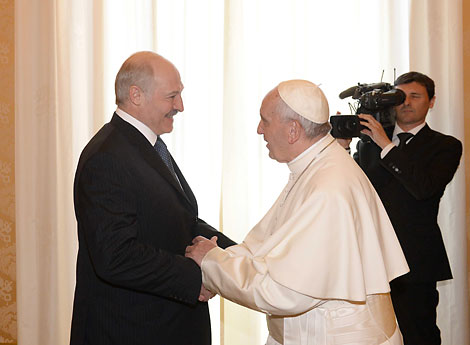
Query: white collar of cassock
<point x="298" y="164"/>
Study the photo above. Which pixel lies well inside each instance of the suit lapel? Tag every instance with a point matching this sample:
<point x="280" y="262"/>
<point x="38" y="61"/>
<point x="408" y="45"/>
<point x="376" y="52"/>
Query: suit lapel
<point x="186" y="189"/>
<point x="152" y="158"/>
<point x="419" y="140"/>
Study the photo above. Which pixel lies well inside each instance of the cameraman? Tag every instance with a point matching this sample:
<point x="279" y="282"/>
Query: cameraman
<point x="410" y="165"/>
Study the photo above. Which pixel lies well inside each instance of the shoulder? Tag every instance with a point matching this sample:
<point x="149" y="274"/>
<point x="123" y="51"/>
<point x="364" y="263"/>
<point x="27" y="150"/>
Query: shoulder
<point x="441" y="140"/>
<point x="428" y="131"/>
<point x="106" y="140"/>
<point x="336" y="171"/>
<point x="108" y="149"/>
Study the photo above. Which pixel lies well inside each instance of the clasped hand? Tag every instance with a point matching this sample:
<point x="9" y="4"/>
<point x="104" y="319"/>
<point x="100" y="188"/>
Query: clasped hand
<point x="196" y="252"/>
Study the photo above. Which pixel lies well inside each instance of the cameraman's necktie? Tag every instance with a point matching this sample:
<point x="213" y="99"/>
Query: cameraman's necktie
<point x="165" y="155"/>
<point x="403" y="139"/>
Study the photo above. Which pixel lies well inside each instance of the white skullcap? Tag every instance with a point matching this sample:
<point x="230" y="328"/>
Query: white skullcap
<point x="306" y="99"/>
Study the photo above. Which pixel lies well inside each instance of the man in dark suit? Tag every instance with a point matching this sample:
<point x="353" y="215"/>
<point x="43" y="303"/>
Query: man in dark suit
<point x="410" y="165"/>
<point x="136" y="214"/>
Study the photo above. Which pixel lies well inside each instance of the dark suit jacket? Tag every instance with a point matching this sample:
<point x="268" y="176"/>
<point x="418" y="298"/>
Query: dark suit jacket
<point x="410" y="183"/>
<point x="134" y="285"/>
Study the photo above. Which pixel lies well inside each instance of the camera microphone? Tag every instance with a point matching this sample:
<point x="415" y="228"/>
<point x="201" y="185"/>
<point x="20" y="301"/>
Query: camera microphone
<point x="357" y="91"/>
<point x="348" y="92"/>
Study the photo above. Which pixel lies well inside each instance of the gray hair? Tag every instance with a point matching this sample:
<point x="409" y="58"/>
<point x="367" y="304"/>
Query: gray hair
<point x="312" y="129"/>
<point x="134" y="71"/>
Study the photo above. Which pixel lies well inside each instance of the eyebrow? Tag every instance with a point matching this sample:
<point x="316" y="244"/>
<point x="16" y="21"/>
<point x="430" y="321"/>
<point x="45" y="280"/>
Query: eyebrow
<point x="173" y="93"/>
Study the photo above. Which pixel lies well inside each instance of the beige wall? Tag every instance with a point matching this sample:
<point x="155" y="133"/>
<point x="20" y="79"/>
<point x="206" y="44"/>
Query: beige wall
<point x="466" y="65"/>
<point x="7" y="174"/>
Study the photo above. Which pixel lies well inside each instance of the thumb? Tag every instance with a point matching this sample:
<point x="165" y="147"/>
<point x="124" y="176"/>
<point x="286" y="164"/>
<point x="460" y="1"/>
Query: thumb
<point x="214" y="239"/>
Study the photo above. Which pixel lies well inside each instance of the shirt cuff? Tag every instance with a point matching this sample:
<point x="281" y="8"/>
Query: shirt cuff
<point x="386" y="150"/>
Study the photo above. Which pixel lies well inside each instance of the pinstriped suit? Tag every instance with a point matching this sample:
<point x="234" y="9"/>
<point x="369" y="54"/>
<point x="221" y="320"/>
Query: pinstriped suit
<point x="134" y="285"/>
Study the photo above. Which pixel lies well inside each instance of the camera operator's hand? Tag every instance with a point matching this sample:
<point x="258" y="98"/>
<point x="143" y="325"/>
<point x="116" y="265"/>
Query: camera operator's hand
<point x="374" y="130"/>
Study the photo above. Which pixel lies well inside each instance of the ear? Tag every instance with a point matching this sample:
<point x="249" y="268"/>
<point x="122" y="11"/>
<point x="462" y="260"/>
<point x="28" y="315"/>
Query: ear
<point x="295" y="130"/>
<point x="431" y="102"/>
<point x="136" y="95"/>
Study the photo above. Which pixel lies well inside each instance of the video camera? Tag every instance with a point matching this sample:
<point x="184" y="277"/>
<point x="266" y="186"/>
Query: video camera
<point x="374" y="99"/>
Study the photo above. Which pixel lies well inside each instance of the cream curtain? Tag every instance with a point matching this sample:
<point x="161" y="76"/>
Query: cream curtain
<point x="54" y="117"/>
<point x="230" y="54"/>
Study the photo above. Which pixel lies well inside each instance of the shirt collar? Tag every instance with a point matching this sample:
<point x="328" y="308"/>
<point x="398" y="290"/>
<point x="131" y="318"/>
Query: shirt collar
<point x="397" y="130"/>
<point x="140" y="126"/>
<point x="299" y="163"/>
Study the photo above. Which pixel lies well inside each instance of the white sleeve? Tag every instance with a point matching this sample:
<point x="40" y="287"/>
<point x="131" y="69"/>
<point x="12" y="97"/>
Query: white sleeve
<point x="238" y="276"/>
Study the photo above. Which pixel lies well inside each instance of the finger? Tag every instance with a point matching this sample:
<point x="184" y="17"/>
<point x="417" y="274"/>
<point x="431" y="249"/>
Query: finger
<point x="366" y="124"/>
<point x="214" y="239"/>
<point x="366" y="117"/>
<point x="198" y="239"/>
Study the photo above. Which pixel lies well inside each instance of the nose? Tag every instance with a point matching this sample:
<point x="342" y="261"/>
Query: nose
<point x="259" y="130"/>
<point x="407" y="100"/>
<point x="178" y="103"/>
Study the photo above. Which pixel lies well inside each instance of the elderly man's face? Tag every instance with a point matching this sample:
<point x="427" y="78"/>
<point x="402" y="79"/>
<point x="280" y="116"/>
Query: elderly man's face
<point x="275" y="131"/>
<point x="164" y="99"/>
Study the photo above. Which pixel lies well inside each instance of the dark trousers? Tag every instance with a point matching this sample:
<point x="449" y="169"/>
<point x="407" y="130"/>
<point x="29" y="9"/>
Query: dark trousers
<point x="415" y="307"/>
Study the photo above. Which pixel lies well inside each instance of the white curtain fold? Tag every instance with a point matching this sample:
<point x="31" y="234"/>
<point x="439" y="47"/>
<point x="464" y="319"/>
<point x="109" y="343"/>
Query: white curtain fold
<point x="54" y="115"/>
<point x="43" y="289"/>
<point x="230" y="54"/>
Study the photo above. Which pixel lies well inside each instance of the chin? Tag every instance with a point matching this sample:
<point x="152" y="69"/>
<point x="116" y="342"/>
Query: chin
<point x="168" y="128"/>
<point x="272" y="156"/>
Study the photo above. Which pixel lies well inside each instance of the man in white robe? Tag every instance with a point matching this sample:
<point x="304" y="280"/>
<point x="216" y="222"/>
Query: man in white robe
<point x="320" y="261"/>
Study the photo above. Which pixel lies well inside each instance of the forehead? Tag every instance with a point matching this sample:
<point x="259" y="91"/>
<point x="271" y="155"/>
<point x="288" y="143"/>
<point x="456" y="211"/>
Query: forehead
<point x="269" y="106"/>
<point x="413" y="87"/>
<point x="167" y="78"/>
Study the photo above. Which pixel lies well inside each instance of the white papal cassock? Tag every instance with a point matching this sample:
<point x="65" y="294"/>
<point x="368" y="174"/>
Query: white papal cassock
<point x="319" y="263"/>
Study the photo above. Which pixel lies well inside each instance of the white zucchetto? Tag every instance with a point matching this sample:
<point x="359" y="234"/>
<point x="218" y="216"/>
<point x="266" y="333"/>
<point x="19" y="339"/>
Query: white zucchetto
<point x="306" y="99"/>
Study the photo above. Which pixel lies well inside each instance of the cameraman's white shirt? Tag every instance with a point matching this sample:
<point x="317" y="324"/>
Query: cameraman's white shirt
<point x="395" y="140"/>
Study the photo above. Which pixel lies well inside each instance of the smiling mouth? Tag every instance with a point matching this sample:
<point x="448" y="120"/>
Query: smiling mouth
<point x="171" y="114"/>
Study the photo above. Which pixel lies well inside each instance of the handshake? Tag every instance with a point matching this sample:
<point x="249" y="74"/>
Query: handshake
<point x="196" y="252"/>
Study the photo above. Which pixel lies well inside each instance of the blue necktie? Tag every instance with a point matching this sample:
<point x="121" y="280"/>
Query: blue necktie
<point x="165" y="155"/>
<point x="404" y="136"/>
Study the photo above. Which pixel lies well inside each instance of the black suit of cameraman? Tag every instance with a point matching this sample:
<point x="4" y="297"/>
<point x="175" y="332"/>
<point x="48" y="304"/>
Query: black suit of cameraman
<point x="410" y="181"/>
